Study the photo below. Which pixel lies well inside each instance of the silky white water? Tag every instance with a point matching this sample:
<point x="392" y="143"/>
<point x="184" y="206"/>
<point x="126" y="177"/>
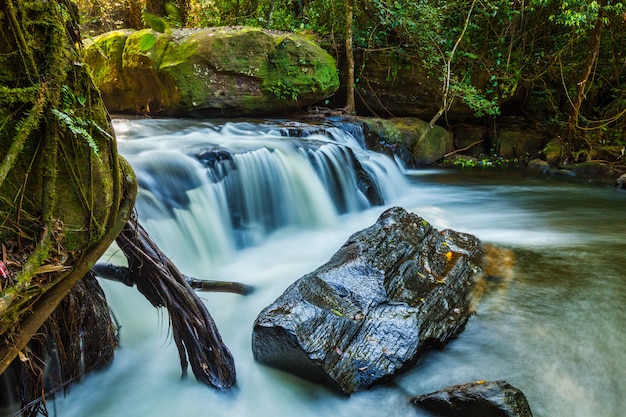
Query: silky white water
<point x="555" y="330"/>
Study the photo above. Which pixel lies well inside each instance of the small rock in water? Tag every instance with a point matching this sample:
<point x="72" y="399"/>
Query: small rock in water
<point x="476" y="399"/>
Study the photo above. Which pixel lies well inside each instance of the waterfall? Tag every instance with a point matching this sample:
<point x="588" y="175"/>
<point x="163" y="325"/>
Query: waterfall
<point x="219" y="188"/>
<point x="532" y="330"/>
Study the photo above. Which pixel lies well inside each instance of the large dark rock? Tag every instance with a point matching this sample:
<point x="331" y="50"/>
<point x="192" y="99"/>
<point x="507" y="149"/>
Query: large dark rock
<point x="476" y="399"/>
<point x="390" y="292"/>
<point x="515" y="139"/>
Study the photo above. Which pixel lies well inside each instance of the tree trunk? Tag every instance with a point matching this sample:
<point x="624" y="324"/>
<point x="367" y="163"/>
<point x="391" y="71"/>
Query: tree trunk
<point x="350" y="58"/>
<point x="64" y="192"/>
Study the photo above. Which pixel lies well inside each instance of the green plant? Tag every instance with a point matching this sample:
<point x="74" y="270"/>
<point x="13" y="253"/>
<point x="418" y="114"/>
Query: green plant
<point x="76" y="124"/>
<point x="283" y="91"/>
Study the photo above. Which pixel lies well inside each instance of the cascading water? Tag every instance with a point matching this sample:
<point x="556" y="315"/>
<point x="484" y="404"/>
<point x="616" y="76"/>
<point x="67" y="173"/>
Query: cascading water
<point x="247" y="202"/>
<point x="227" y="187"/>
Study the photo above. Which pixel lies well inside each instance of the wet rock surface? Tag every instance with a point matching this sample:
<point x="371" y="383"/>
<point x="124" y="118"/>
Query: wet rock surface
<point x="392" y="291"/>
<point x="476" y="399"/>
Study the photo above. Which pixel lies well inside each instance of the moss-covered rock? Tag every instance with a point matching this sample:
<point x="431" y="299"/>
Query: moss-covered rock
<point x="514" y="142"/>
<point x="216" y="71"/>
<point x="425" y="143"/>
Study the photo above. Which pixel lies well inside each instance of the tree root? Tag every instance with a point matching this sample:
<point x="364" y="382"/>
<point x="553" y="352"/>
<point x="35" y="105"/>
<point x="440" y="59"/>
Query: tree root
<point x="195" y="333"/>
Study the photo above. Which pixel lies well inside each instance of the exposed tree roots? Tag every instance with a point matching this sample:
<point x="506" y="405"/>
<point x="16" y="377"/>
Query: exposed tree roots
<point x="77" y="338"/>
<point x="194" y="331"/>
<point x="125" y="276"/>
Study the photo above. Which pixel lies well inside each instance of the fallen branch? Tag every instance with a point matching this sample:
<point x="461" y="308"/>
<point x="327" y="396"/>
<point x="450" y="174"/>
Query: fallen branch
<point x="124" y="275"/>
<point x="195" y="333"/>
<point x="463" y="149"/>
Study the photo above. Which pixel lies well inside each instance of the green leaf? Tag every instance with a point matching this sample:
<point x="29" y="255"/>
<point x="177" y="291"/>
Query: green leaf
<point x="156" y="23"/>
<point x="173" y="13"/>
<point x="146" y="42"/>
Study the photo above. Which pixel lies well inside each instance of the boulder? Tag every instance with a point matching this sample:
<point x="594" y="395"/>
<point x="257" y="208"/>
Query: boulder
<point x="476" y="399"/>
<point x="537" y="164"/>
<point x="226" y="71"/>
<point x="471" y="139"/>
<point x="620" y="183"/>
<point x="553" y="152"/>
<point x="390" y="292"/>
<point x="391" y="136"/>
<point x="514" y="141"/>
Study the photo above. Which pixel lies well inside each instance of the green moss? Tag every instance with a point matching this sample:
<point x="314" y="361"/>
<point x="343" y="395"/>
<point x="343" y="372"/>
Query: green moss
<point x="239" y="70"/>
<point x="104" y="58"/>
<point x="427" y="144"/>
<point x="301" y="65"/>
<point x="385" y="129"/>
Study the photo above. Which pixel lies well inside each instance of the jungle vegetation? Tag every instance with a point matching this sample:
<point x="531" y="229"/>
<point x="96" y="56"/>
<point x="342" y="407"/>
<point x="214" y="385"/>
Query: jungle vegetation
<point x="559" y="63"/>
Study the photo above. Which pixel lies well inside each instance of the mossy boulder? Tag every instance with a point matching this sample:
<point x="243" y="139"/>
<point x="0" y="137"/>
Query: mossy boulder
<point x="228" y="71"/>
<point x="518" y="141"/>
<point x="426" y="144"/>
<point x="553" y="152"/>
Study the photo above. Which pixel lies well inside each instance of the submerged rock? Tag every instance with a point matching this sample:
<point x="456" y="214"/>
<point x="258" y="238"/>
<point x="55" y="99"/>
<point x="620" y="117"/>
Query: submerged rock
<point x="476" y="399"/>
<point x="390" y="292"/>
<point x="226" y="71"/>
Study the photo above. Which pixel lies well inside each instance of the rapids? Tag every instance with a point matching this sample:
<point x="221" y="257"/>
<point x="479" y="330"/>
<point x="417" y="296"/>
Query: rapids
<point x="245" y="201"/>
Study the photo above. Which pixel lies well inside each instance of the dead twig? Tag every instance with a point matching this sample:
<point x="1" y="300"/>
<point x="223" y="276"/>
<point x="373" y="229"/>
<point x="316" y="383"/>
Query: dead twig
<point x="464" y="149"/>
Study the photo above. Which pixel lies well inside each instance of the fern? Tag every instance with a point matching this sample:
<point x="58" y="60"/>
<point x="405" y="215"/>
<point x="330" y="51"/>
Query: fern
<point x="67" y="96"/>
<point x="77" y="126"/>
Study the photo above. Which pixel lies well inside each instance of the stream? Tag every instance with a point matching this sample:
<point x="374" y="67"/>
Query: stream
<point x="246" y="201"/>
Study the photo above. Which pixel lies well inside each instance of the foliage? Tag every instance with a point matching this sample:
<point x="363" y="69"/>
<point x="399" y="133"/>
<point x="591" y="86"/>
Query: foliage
<point x="563" y="58"/>
<point x="156" y="23"/>
<point x="283" y="91"/>
<point x="75" y="123"/>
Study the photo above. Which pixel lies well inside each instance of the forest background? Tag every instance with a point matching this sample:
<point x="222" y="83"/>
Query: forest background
<point x="559" y="64"/>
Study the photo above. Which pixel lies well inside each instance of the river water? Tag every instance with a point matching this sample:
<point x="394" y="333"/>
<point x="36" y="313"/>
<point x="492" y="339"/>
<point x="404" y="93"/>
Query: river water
<point x="240" y="201"/>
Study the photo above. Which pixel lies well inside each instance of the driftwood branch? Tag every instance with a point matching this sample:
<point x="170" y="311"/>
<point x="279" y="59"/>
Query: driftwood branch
<point x="194" y="331"/>
<point x="463" y="149"/>
<point x="125" y="276"/>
